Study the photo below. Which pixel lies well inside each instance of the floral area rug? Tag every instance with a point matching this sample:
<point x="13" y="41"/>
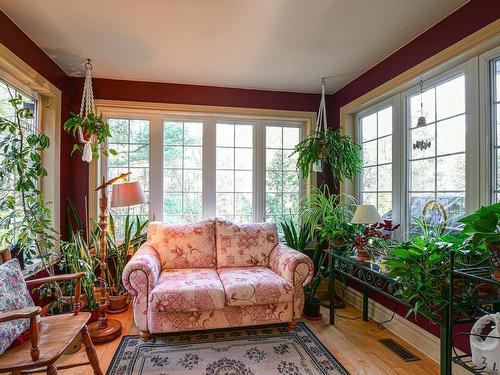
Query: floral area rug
<point x="252" y="351"/>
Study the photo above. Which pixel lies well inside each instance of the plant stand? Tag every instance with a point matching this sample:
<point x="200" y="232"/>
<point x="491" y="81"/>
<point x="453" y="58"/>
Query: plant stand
<point x="371" y="278"/>
<point x="476" y="278"/>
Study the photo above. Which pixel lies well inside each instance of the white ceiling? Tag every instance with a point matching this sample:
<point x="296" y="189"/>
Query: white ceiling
<point x="264" y="44"/>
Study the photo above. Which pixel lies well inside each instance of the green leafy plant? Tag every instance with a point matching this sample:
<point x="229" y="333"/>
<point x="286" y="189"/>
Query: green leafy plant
<point x="422" y="268"/>
<point x="297" y="236"/>
<point x="483" y="226"/>
<point x="118" y="253"/>
<point x="91" y="125"/>
<point x="338" y="151"/>
<point x="26" y="218"/>
<point x="328" y="218"/>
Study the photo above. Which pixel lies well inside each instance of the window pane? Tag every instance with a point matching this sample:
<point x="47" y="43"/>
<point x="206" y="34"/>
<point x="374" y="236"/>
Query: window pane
<point x="234" y="171"/>
<point x="451" y="135"/>
<point x="282" y="179"/>
<point x="370" y="153"/>
<point x="376" y="175"/>
<point x="451" y="172"/>
<point x="422" y="175"/>
<point x="450" y="98"/>
<point x="182" y="173"/>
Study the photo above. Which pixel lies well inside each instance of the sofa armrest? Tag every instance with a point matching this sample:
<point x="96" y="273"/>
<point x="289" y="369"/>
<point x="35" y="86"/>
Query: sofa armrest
<point x="291" y="265"/>
<point x="141" y="273"/>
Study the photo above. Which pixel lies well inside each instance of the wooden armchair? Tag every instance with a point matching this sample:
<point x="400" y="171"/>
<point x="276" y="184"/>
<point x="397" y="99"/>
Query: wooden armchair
<point x="50" y="337"/>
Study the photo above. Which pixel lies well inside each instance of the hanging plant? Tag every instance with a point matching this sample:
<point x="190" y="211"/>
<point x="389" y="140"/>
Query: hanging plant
<point x="330" y="147"/>
<point x="90" y="129"/>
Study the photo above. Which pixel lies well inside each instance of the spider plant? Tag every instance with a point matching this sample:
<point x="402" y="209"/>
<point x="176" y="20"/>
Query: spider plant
<point x="337" y="150"/>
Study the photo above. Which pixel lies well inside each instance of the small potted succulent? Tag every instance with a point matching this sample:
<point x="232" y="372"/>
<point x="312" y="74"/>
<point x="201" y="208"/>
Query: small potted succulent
<point x="483" y="231"/>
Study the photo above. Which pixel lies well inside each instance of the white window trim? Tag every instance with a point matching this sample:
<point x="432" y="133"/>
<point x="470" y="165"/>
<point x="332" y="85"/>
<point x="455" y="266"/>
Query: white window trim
<point x="156" y="112"/>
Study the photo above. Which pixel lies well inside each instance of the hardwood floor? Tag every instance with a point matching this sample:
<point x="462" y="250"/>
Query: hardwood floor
<point x="353" y="342"/>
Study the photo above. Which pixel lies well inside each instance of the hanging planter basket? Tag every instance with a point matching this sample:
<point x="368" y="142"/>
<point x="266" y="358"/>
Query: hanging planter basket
<point x="328" y="147"/>
<point x="87" y="127"/>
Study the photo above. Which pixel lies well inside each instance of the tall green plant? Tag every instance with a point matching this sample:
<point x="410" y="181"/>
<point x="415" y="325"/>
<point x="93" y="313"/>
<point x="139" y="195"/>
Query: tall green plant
<point x="297" y="236"/>
<point x="26" y="219"/>
<point x="338" y="151"/>
<point x="328" y="218"/>
<point x="117" y="253"/>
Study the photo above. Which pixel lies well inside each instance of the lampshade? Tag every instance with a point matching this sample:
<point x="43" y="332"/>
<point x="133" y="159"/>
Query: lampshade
<point x="127" y="194"/>
<point x="366" y="214"/>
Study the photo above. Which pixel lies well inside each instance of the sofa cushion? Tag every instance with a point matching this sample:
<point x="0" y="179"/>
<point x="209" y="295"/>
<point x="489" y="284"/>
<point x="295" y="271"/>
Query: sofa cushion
<point x="254" y="286"/>
<point x="244" y="245"/>
<point x="184" y="245"/>
<point x="185" y="290"/>
<point x="14" y="295"/>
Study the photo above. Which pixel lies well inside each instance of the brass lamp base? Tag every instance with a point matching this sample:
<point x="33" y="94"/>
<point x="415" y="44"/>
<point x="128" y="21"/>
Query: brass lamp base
<point x="110" y="331"/>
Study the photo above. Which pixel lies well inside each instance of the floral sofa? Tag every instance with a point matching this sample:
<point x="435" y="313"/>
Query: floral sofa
<point x="215" y="274"/>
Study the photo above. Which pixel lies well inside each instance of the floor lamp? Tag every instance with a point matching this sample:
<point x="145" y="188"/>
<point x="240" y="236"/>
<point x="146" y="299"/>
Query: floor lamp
<point x="124" y="194"/>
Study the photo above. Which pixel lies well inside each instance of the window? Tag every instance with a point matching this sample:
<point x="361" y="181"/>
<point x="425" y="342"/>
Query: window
<point x="130" y="139"/>
<point x="436" y="172"/>
<point x="182" y="171"/>
<point x="495" y="122"/>
<point x="234" y="171"/>
<point x="376" y="176"/>
<point x="8" y="92"/>
<point x="282" y="178"/>
<point x="206" y="166"/>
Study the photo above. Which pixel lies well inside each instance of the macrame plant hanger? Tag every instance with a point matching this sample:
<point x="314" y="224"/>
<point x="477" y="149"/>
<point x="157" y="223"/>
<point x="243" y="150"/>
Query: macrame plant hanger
<point x="87" y="107"/>
<point x="321" y="124"/>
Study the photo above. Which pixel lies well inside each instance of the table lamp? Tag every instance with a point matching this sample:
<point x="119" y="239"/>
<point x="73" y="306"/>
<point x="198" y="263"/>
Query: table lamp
<point x="124" y="194"/>
<point x="365" y="214"/>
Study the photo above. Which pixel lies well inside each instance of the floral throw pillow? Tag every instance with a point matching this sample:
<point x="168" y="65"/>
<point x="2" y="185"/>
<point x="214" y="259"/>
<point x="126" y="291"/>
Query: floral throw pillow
<point x="14" y="295"/>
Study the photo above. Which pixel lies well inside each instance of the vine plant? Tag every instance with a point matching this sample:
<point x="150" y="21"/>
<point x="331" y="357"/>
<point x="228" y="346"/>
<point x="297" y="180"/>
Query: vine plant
<point x="26" y="219"/>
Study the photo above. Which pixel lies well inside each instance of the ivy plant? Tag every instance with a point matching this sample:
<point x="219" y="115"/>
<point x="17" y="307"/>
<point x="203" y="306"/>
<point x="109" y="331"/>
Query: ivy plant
<point x="26" y="218"/>
<point x="91" y="125"/>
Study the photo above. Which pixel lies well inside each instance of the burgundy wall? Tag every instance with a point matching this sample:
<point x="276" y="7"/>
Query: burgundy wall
<point x="178" y="94"/>
<point x="469" y="18"/>
<point x="19" y="43"/>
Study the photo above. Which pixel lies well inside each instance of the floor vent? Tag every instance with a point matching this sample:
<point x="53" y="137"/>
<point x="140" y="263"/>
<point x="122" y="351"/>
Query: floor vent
<point x="399" y="350"/>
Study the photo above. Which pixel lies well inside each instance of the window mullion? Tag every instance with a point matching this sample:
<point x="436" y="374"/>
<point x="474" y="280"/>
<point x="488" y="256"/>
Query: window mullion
<point x="156" y="169"/>
<point x="259" y="167"/>
<point x="209" y="173"/>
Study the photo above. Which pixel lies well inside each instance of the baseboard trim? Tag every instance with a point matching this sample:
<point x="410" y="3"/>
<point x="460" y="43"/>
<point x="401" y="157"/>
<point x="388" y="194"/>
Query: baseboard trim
<point x="418" y="337"/>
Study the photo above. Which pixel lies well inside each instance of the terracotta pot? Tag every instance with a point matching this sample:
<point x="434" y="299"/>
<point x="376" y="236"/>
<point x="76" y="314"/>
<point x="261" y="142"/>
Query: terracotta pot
<point x="494" y="249"/>
<point x="118" y="303"/>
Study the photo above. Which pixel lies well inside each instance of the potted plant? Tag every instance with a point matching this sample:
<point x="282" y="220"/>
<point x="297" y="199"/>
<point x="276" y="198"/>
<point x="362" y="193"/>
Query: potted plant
<point x="117" y="256"/>
<point x="25" y="221"/>
<point x="90" y="129"/>
<point x="328" y="218"/>
<point x="482" y="230"/>
<point x="330" y="147"/>
<point x="422" y="267"/>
